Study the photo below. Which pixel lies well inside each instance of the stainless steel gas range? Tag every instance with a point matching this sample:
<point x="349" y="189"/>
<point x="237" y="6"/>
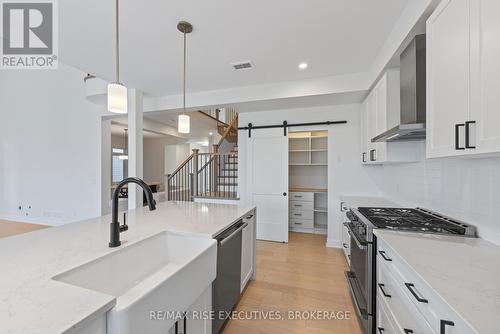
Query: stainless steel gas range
<point x="362" y="221"/>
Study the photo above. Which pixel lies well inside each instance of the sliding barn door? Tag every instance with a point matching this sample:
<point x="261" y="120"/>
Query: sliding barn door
<point x="268" y="162"/>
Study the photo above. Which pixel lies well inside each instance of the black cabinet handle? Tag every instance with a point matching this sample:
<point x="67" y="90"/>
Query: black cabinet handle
<point x="382" y="253"/>
<point x="284" y="194"/>
<point x="380" y="330"/>
<point x="372" y="155"/>
<point x="410" y="287"/>
<point x="445" y="323"/>
<point x="363" y="157"/>
<point x="184" y="325"/>
<point x="407" y="331"/>
<point x="342" y="206"/>
<point x="467" y="134"/>
<point x="381" y="286"/>
<point x="344" y="244"/>
<point x="457" y="137"/>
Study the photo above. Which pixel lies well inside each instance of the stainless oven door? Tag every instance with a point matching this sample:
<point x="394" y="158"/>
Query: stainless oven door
<point x="359" y="278"/>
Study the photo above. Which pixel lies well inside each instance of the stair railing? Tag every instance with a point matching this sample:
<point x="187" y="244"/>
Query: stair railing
<point x="181" y="185"/>
<point x="204" y="175"/>
<point x="218" y="175"/>
<point x="231" y="130"/>
<point x="208" y="174"/>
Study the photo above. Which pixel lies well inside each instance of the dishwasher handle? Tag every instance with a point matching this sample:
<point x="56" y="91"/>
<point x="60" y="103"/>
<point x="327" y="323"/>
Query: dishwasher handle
<point x="229" y="237"/>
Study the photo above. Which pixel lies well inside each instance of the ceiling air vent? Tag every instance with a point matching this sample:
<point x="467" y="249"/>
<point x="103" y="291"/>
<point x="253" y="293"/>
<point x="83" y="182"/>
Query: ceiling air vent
<point x="243" y="65"/>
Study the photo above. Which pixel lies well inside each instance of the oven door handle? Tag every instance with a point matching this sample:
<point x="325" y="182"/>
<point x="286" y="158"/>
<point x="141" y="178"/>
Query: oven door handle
<point x="353" y="235"/>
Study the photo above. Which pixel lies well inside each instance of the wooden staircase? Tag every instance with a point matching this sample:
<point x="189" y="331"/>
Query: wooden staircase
<point x="209" y="175"/>
<point x="225" y="119"/>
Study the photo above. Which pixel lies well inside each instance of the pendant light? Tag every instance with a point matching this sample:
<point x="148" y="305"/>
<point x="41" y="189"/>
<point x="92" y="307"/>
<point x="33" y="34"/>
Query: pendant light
<point x="183" y="121"/>
<point x="124" y="156"/>
<point x="117" y="93"/>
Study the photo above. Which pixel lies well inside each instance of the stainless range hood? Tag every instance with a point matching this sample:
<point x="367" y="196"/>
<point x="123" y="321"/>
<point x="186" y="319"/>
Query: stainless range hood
<point x="412" y="97"/>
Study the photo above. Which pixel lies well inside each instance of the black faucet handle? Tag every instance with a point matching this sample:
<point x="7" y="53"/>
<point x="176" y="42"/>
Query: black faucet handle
<point x="124" y="227"/>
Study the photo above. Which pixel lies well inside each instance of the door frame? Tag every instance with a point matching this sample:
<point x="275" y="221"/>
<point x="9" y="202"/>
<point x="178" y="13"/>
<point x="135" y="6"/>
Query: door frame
<point x="326" y="128"/>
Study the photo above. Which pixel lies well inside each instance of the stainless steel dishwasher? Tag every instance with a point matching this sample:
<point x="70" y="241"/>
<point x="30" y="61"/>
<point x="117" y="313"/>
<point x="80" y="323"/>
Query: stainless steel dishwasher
<point x="226" y="287"/>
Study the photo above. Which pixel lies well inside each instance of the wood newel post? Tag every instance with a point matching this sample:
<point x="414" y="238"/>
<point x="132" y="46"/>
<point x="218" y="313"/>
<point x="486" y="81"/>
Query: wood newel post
<point x="196" y="168"/>
<point x="169" y="190"/>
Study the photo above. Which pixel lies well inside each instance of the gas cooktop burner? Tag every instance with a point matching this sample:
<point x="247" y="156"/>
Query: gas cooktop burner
<point x="417" y="220"/>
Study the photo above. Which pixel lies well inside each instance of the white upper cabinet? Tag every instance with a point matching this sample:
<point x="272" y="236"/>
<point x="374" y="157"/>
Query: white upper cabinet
<point x="485" y="76"/>
<point x="362" y="126"/>
<point x="448" y="78"/>
<point x="380" y="112"/>
<point x="371" y="126"/>
<point x="463" y="78"/>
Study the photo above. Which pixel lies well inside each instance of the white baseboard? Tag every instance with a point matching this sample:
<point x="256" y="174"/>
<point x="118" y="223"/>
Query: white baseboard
<point x="333" y="243"/>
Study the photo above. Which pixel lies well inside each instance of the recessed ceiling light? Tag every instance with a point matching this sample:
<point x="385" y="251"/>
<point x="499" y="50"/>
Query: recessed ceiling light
<point x="210" y="133"/>
<point x="303" y="66"/>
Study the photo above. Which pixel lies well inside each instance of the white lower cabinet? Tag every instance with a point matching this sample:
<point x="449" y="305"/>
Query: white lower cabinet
<point x="385" y="321"/>
<point x="406" y="316"/>
<point x="346" y="238"/>
<point x="248" y="250"/>
<point x="308" y="212"/>
<point x="411" y="302"/>
<point x="198" y="319"/>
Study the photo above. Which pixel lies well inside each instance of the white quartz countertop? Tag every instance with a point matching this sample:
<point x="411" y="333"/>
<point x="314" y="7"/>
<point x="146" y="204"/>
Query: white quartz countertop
<point x="465" y="272"/>
<point x="360" y="201"/>
<point x="31" y="302"/>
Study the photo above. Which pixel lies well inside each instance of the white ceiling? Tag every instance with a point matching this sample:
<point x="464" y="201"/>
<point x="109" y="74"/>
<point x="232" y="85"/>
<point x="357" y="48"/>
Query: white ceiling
<point x="201" y="125"/>
<point x="156" y="122"/>
<point x="334" y="36"/>
<point x="118" y="129"/>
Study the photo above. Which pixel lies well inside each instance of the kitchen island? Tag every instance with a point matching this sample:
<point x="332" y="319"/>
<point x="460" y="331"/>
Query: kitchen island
<point x="33" y="302"/>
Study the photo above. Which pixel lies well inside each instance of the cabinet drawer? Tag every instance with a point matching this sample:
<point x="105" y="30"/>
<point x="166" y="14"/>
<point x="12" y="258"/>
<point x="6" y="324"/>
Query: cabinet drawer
<point x="385" y="323"/>
<point x="298" y="205"/>
<point x="425" y="300"/>
<point x="407" y="318"/>
<point x="301" y="223"/>
<point x="302" y="196"/>
<point x="300" y="214"/>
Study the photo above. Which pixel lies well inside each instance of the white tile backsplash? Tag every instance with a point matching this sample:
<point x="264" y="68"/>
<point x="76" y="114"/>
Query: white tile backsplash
<point x="467" y="189"/>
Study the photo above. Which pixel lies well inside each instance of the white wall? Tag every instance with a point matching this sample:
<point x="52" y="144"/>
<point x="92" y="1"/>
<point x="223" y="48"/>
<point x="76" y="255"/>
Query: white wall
<point x="154" y="159"/>
<point x="174" y="156"/>
<point x="346" y="175"/>
<point x="50" y="144"/>
<point x="465" y="189"/>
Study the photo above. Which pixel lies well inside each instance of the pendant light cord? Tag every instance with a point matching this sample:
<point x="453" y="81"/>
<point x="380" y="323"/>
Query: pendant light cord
<point x="117" y="45"/>
<point x="184" y="88"/>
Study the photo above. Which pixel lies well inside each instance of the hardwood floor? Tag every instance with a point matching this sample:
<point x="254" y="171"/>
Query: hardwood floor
<point x="303" y="275"/>
<point x="9" y="228"/>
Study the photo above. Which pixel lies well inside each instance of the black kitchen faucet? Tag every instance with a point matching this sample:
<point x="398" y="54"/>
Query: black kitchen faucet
<point x="115" y="229"/>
